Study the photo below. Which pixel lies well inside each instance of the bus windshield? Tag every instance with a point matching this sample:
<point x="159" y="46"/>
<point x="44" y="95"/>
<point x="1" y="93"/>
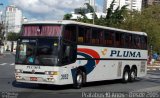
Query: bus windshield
<point x="42" y="51"/>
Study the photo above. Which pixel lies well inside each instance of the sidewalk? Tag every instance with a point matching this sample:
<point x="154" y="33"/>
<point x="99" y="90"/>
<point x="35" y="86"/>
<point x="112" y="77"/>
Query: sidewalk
<point x="154" y="66"/>
<point x="4" y="54"/>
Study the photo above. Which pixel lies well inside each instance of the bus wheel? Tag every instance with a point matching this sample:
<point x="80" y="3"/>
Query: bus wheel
<point x="133" y="75"/>
<point x="78" y="80"/>
<point x="126" y="75"/>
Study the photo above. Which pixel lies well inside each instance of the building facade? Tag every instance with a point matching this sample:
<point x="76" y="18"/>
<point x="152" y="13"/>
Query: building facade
<point x="1" y="17"/>
<point x="13" y="19"/>
<point x="145" y="3"/>
<point x="92" y="3"/>
<point x="132" y="4"/>
<point x="151" y="2"/>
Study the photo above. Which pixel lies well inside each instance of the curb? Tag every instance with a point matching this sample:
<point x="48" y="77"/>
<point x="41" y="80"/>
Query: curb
<point x="150" y="90"/>
<point x="153" y="69"/>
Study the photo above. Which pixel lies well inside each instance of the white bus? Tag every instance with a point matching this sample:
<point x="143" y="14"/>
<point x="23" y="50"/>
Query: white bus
<point x="69" y="52"/>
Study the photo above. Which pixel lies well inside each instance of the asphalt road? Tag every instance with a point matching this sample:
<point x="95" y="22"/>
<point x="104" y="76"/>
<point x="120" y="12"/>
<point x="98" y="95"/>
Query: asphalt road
<point x="149" y="84"/>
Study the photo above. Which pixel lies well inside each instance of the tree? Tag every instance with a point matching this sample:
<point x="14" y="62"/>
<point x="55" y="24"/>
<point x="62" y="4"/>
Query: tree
<point x="67" y="16"/>
<point x="12" y="36"/>
<point x="1" y="31"/>
<point x="115" y="17"/>
<point x="148" y="20"/>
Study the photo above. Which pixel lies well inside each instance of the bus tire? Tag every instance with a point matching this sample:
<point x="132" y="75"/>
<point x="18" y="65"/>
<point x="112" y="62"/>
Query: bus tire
<point x="133" y="75"/>
<point x="126" y="75"/>
<point x="78" y="80"/>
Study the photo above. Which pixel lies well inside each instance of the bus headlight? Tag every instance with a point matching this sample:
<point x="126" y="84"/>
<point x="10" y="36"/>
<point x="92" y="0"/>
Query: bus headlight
<point x="51" y="72"/>
<point x="18" y="70"/>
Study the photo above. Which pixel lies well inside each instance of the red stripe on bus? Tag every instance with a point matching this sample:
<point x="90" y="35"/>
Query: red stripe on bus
<point x="91" y="52"/>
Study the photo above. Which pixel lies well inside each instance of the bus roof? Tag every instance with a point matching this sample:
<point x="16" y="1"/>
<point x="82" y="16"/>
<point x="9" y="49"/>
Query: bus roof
<point x="84" y="24"/>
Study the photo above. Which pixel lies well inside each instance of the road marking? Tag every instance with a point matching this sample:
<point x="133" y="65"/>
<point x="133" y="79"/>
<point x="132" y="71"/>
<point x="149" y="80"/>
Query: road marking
<point x="149" y="89"/>
<point x="12" y="64"/>
<point x="154" y="69"/>
<point x="3" y="64"/>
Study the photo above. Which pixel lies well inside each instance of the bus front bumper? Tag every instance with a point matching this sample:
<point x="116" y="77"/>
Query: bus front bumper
<point x="37" y="79"/>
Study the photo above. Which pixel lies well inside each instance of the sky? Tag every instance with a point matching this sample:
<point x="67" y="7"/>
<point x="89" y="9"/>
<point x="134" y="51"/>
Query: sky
<point x="47" y="9"/>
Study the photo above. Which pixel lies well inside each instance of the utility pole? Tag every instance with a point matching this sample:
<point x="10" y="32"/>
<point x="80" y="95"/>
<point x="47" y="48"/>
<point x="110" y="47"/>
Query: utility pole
<point x="131" y="5"/>
<point x="94" y="13"/>
<point x="1" y="42"/>
<point x="1" y="4"/>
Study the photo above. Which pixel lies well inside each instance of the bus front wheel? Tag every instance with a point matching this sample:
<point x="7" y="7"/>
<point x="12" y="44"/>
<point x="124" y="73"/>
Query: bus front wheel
<point x="79" y="79"/>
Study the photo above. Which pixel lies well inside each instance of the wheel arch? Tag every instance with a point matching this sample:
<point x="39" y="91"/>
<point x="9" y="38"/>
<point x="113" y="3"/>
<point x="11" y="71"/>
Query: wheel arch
<point x="83" y="69"/>
<point x="134" y="67"/>
<point x="127" y="67"/>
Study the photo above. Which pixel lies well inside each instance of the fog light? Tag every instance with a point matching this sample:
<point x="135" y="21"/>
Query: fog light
<point x="18" y="71"/>
<point x="18" y="77"/>
<point x="50" y="79"/>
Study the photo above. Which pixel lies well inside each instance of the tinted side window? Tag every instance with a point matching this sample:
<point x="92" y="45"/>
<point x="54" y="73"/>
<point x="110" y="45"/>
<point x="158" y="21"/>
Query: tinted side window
<point x="70" y="33"/>
<point x="136" y="42"/>
<point x="128" y="41"/>
<point x="69" y="53"/>
<point x="96" y="36"/>
<point x="119" y="39"/>
<point x="144" y="42"/>
<point x="84" y="35"/>
<point x="109" y="38"/>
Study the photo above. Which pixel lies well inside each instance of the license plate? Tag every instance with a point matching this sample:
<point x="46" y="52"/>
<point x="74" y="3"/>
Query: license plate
<point x="33" y="78"/>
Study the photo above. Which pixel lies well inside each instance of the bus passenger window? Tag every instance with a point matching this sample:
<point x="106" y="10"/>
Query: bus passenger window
<point x="84" y="35"/>
<point x="144" y="42"/>
<point x="80" y="39"/>
<point x="117" y="40"/>
<point x="70" y="33"/>
<point x="81" y="35"/>
<point x="122" y="42"/>
<point x="137" y="42"/>
<point x="128" y="41"/>
<point x="95" y="36"/>
<point x="109" y="38"/>
<point x="68" y="53"/>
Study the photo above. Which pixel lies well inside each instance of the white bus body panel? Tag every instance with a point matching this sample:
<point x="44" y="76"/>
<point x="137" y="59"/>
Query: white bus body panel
<point x="112" y="66"/>
<point x="108" y="65"/>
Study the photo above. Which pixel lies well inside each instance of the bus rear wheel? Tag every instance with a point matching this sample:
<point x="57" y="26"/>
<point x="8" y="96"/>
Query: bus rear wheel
<point x="126" y="75"/>
<point x="79" y="79"/>
<point x="133" y="75"/>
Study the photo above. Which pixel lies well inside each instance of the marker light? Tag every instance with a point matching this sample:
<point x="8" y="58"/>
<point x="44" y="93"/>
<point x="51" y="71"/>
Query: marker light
<point x="51" y="72"/>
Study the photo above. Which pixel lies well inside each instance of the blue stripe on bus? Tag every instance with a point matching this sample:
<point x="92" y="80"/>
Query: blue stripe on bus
<point x="90" y="63"/>
<point x="89" y="66"/>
